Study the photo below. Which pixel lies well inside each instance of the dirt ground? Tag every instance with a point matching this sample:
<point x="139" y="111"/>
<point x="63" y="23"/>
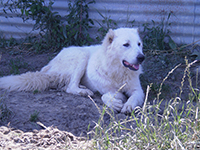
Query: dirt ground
<point x="47" y="119"/>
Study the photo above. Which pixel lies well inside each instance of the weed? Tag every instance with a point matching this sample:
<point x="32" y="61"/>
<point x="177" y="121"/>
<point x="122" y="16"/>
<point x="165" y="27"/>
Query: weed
<point x="106" y="24"/>
<point x="14" y="68"/>
<point x="16" y="64"/>
<point x="196" y="51"/>
<point x="157" y="36"/>
<point x="194" y="94"/>
<point x="8" y="42"/>
<point x="34" y="116"/>
<point x="79" y="23"/>
<point x="4" y="111"/>
<point x="36" y="91"/>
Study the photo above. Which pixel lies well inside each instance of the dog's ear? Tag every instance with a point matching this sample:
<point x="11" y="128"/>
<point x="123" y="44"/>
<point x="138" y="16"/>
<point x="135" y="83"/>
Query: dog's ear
<point x="109" y="38"/>
<point x="138" y="31"/>
<point x="110" y="35"/>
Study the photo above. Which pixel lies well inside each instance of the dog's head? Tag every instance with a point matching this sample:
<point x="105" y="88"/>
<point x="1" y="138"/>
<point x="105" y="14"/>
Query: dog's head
<point x="124" y="45"/>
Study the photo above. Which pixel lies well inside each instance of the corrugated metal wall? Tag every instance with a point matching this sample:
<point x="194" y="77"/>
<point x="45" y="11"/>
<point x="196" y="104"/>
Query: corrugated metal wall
<point x="185" y="21"/>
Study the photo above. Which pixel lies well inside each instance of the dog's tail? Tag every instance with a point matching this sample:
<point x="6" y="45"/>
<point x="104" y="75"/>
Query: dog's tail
<point x="29" y="81"/>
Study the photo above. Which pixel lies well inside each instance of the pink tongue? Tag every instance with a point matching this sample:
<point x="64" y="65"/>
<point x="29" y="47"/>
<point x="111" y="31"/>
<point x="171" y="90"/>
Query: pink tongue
<point x="136" y="66"/>
<point x="126" y="63"/>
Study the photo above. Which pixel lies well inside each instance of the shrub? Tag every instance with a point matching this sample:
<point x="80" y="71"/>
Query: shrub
<point x="55" y="31"/>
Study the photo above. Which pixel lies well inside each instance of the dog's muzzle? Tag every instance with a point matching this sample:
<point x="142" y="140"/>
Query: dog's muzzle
<point x="134" y="67"/>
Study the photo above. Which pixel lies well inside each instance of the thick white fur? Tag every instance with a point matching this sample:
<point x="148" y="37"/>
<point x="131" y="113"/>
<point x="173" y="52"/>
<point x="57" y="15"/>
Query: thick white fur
<point x="84" y="70"/>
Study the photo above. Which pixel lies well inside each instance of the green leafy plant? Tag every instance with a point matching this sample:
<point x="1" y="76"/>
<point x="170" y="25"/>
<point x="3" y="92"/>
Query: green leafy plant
<point x="55" y="31"/>
<point x="34" y="116"/>
<point x="106" y="24"/>
<point x="196" y="51"/>
<point x="196" y="54"/>
<point x="16" y="64"/>
<point x="36" y="91"/>
<point x="157" y="36"/>
<point x="8" y="42"/>
<point x="79" y="23"/>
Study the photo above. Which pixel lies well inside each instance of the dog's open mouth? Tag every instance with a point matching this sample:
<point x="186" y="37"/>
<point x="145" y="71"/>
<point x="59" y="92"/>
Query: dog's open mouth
<point x="130" y="66"/>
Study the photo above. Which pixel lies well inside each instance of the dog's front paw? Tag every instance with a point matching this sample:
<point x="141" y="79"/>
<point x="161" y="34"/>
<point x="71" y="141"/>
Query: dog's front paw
<point x="113" y="103"/>
<point x="80" y="91"/>
<point x="128" y="108"/>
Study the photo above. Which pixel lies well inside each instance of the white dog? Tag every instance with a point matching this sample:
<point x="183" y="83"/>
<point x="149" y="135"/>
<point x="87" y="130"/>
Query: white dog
<point x="84" y="70"/>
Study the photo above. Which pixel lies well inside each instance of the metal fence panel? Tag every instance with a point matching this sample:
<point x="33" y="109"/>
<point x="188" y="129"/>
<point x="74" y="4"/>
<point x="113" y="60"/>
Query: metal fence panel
<point x="185" y="21"/>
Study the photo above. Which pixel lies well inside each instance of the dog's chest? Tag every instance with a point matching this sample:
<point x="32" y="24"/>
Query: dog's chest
<point x="103" y="81"/>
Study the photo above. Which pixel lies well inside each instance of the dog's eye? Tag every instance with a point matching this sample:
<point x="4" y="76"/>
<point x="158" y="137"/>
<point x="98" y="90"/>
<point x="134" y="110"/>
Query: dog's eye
<point x="126" y="44"/>
<point x="139" y="44"/>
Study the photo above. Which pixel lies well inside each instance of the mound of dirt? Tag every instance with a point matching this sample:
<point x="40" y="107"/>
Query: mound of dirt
<point x="51" y="119"/>
<point x="53" y="108"/>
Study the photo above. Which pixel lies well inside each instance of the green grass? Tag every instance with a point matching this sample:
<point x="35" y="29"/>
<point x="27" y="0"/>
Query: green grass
<point x="34" y="116"/>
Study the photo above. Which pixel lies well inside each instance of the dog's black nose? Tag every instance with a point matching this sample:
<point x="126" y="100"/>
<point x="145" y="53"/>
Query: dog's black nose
<point x="140" y="58"/>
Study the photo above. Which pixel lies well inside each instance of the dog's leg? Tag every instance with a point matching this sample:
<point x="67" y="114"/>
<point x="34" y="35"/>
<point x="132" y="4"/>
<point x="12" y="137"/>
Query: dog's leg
<point x="114" y="100"/>
<point x="136" y="99"/>
<point x="74" y="86"/>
